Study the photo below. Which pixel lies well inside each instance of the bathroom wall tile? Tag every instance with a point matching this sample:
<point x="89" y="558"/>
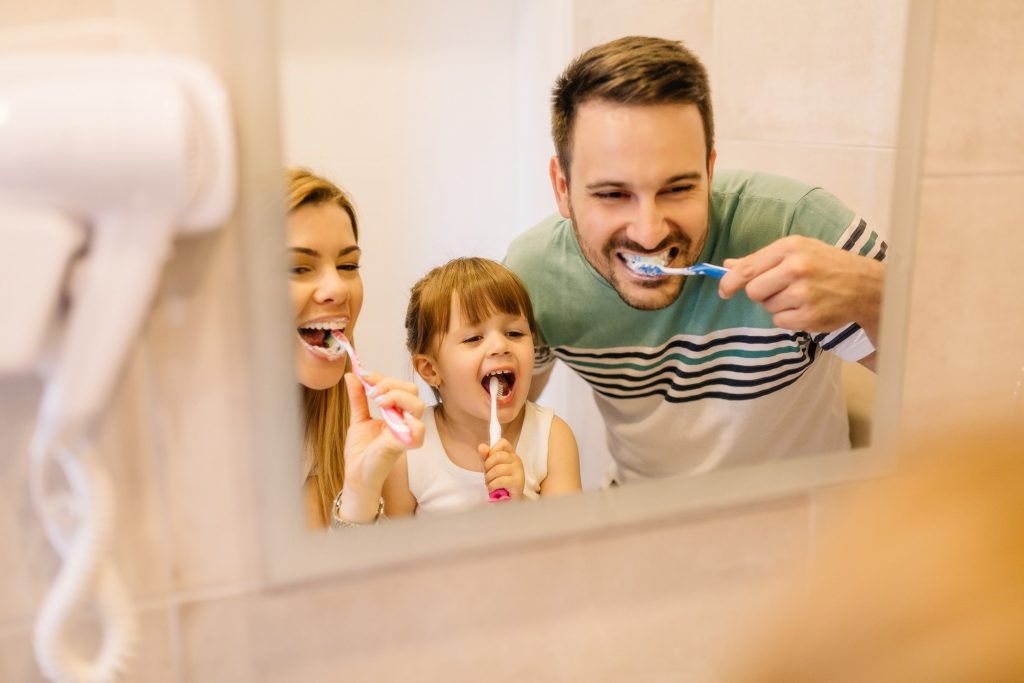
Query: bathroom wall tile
<point x="659" y="600"/>
<point x="152" y="661"/>
<point x="197" y="342"/>
<point x="976" y="99"/>
<point x="691" y="21"/>
<point x="966" y="332"/>
<point x="862" y="177"/>
<point x="123" y="449"/>
<point x="795" y="71"/>
<point x="26" y="559"/>
<point x="32" y="13"/>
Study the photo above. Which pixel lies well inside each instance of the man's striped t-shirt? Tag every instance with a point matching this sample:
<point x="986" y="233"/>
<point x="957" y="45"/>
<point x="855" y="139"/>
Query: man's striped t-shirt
<point x="703" y="382"/>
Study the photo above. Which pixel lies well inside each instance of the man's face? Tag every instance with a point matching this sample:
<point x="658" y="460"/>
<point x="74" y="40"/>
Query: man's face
<point x="640" y="184"/>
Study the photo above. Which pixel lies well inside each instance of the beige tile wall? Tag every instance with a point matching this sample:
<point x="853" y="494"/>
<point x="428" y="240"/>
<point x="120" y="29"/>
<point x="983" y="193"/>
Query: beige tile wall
<point x="661" y="603"/>
<point x="966" y="336"/>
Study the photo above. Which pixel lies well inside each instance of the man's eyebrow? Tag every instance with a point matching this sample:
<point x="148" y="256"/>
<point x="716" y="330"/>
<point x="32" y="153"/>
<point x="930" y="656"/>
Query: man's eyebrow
<point x="316" y="254"/>
<point x="693" y="175"/>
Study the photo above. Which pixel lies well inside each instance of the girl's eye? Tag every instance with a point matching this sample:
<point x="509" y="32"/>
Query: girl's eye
<point x="470" y="340"/>
<point x="516" y="333"/>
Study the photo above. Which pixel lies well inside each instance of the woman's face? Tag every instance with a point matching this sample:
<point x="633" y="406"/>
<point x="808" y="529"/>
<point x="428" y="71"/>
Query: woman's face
<point x="325" y="287"/>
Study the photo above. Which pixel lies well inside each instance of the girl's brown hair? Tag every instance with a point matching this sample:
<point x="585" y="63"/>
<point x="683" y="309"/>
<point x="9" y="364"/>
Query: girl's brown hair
<point x="483" y="287"/>
<point x="325" y="410"/>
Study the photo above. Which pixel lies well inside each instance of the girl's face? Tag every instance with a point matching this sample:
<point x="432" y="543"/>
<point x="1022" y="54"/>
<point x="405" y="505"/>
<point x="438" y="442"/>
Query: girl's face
<point x="468" y="355"/>
<point x="325" y="287"/>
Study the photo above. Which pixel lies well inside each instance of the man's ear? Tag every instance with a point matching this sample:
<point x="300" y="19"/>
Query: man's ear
<point x="560" y="185"/>
<point x="711" y="165"/>
<point x="426" y="368"/>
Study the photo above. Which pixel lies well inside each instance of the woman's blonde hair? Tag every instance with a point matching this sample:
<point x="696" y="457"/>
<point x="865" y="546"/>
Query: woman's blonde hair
<point x="326" y="410"/>
<point x="484" y="287"/>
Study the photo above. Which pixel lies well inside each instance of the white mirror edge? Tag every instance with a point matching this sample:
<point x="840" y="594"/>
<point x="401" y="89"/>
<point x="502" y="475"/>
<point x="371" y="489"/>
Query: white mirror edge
<point x="291" y="553"/>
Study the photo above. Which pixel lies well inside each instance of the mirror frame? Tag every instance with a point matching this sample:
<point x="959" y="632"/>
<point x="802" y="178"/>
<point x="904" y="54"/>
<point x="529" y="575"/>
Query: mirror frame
<point x="290" y="552"/>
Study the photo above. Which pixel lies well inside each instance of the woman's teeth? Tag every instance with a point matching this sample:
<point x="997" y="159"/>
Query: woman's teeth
<point x="321" y="338"/>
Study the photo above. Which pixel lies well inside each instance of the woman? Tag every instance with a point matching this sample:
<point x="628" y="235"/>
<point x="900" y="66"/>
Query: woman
<point x="349" y="454"/>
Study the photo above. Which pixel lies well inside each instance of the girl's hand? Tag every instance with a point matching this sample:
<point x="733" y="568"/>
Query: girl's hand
<point x="371" y="450"/>
<point x="503" y="469"/>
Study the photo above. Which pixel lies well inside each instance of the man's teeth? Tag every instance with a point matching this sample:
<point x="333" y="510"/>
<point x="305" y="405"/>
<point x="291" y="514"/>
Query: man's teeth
<point x="661" y="259"/>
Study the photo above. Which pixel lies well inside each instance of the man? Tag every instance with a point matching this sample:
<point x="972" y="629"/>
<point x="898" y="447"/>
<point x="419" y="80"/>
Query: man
<point x="691" y="373"/>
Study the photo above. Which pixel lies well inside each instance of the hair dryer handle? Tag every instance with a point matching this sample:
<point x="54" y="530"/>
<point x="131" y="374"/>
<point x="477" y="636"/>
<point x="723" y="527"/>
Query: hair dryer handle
<point x="111" y="301"/>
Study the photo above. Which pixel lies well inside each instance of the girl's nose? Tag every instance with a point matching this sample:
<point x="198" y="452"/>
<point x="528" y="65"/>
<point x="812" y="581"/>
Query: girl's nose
<point x="497" y="344"/>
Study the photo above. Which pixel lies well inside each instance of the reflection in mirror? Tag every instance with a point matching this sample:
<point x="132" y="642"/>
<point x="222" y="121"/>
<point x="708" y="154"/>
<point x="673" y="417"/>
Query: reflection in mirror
<point x="437" y="120"/>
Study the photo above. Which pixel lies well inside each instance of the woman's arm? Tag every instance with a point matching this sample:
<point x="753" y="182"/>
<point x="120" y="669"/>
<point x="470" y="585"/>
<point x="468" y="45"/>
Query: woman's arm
<point x="563" y="461"/>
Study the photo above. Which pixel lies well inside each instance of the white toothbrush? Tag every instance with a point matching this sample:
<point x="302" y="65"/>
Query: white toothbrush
<point x="643" y="266"/>
<point x="392" y="416"/>
<point x="496" y="494"/>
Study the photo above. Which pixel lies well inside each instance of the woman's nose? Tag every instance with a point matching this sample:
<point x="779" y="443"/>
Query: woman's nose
<point x="331" y="288"/>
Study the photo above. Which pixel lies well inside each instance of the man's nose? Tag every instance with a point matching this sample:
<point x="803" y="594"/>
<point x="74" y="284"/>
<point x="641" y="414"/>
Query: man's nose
<point x="649" y="227"/>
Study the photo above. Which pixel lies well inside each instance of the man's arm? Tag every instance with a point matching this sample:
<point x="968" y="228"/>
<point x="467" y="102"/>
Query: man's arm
<point x="809" y="285"/>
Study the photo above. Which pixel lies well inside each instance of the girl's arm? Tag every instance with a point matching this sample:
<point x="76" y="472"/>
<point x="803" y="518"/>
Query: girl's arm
<point x="563" y="461"/>
<point x="398" y="499"/>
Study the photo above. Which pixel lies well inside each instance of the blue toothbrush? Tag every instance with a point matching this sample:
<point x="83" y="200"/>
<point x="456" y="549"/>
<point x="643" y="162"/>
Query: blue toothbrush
<point x="640" y="265"/>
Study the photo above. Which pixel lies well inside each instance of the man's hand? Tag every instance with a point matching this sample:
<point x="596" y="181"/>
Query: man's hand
<point x="503" y="469"/>
<point x="809" y="285"/>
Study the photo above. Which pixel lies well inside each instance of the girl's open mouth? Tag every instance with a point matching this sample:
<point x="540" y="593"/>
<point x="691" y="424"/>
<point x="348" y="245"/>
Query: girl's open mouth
<point x="506" y="382"/>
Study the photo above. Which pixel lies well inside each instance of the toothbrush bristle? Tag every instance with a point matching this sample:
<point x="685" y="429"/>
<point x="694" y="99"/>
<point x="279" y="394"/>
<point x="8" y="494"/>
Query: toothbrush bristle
<point x="646" y="268"/>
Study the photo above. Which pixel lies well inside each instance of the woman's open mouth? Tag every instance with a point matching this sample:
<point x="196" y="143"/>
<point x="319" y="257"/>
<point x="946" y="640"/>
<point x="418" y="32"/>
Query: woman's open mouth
<point x="322" y="338"/>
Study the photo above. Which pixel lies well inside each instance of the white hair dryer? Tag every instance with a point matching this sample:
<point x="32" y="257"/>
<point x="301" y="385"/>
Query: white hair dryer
<point x="103" y="159"/>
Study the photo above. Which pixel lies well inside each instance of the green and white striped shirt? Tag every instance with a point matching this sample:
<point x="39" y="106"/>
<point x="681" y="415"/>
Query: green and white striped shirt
<point x="703" y="382"/>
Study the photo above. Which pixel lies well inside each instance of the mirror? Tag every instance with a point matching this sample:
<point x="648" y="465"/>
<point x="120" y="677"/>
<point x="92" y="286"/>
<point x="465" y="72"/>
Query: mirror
<point x="435" y="118"/>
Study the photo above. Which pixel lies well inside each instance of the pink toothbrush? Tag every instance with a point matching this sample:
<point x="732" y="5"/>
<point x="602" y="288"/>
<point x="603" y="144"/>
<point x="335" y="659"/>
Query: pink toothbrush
<point x="496" y="494"/>
<point x="392" y="417"/>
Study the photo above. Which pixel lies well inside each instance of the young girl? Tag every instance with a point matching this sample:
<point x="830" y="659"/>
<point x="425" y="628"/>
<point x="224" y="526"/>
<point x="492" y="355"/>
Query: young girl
<point x="467" y="321"/>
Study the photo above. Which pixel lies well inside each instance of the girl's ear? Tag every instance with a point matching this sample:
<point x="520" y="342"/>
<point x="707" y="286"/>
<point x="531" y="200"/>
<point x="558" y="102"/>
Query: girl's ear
<point x="426" y="368"/>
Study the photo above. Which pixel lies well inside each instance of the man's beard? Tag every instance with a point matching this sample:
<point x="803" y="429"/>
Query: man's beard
<point x="603" y="263"/>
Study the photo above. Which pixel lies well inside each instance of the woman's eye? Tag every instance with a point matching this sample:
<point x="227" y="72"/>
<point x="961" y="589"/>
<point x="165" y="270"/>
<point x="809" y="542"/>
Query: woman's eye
<point x="351" y="267"/>
<point x="298" y="270"/>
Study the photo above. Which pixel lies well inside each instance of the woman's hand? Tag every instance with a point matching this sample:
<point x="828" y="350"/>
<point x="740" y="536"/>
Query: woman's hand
<point x="371" y="450"/>
<point x="503" y="469"/>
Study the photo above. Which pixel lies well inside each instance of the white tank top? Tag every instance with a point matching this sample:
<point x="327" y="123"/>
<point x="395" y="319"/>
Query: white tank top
<point x="439" y="484"/>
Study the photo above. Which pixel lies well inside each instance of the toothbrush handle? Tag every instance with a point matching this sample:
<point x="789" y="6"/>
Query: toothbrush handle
<point x="394" y="420"/>
<point x="710" y="270"/>
<point x="497" y="495"/>
<point x="396" y="423"/>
